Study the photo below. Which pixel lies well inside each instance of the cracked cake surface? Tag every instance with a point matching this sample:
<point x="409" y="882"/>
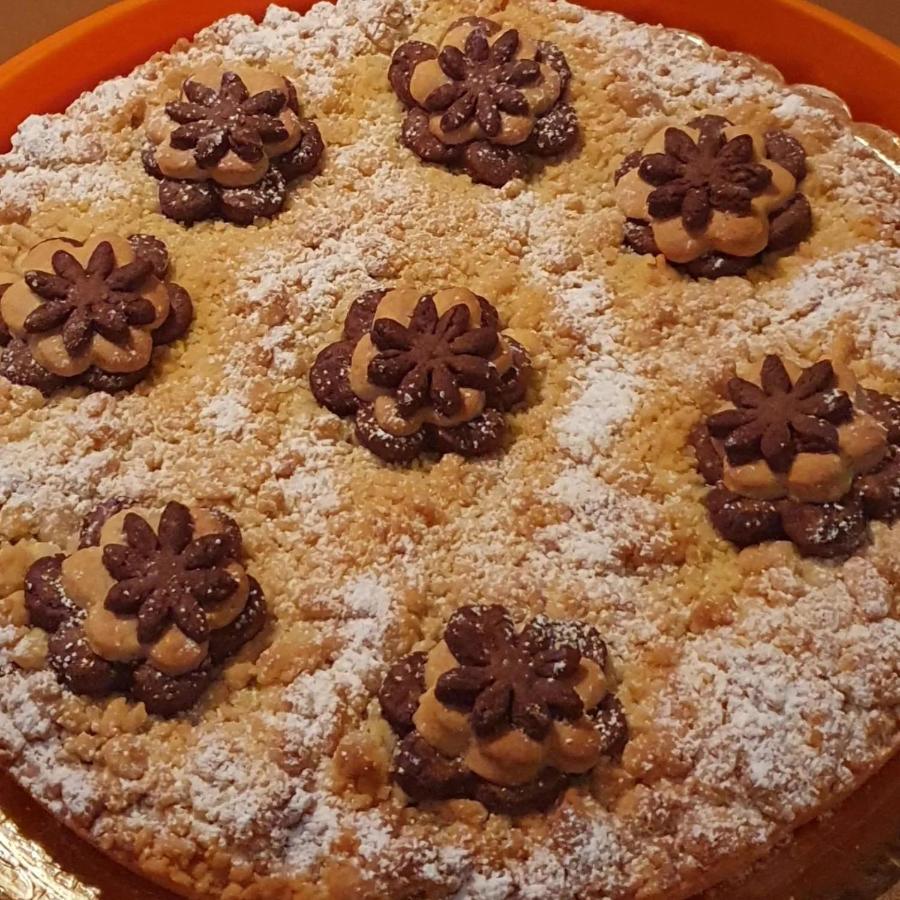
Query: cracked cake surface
<point x="759" y="686"/>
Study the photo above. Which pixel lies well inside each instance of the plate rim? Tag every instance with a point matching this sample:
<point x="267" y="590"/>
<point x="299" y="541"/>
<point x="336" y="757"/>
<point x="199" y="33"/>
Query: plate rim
<point x="49" y="75"/>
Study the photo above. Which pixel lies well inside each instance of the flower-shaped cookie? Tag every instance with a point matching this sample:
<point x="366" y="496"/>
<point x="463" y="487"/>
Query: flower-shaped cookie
<point x="420" y="373"/>
<point x="801" y="453"/>
<point x="229" y="146"/>
<point x="712" y="196"/>
<point x="148" y="604"/>
<point x="90" y="313"/>
<point x="485" y="99"/>
<point x="501" y="716"/>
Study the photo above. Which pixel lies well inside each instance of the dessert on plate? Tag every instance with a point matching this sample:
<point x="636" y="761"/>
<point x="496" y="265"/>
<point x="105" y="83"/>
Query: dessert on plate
<point x="448" y="450"/>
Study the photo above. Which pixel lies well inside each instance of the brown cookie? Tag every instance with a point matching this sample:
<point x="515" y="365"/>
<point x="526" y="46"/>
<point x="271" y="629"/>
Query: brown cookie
<point x="512" y="386"/>
<point x="92" y="524"/>
<point x="709" y="462"/>
<point x="391" y="448"/>
<point x="79" y="668"/>
<point x="632" y="161"/>
<point x="47" y="604"/>
<point x="151" y="166"/>
<point x="19" y="366"/>
<point x="403" y="61"/>
<point x="167" y="695"/>
<point x="329" y="379"/>
<point x="535" y="796"/>
<point x="425" y="775"/>
<point x="304" y="158"/>
<point x="361" y="315"/>
<point x="791" y="225"/>
<point x="556" y="59"/>
<point x="187" y="202"/>
<point x="492" y="164"/>
<point x="609" y="719"/>
<point x="479" y="437"/>
<point x="243" y="205"/>
<point x="825" y="530"/>
<point x="490" y="318"/>
<point x="720" y="265"/>
<point x="639" y="237"/>
<point x="555" y="133"/>
<point x="879" y="491"/>
<point x="110" y="382"/>
<point x="416" y="135"/>
<point x="886" y="411"/>
<point x="788" y="152"/>
<point x="543" y="633"/>
<point x="181" y="314"/>
<point x="225" y="642"/>
<point x="741" y="520"/>
<point x="400" y="692"/>
<point x="151" y="248"/>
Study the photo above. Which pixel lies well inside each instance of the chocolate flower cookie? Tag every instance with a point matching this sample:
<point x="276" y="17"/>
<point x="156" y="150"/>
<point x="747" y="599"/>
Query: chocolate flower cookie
<point x="802" y="454"/>
<point x="147" y="606"/>
<point x="419" y="373"/>
<point x="486" y="99"/>
<point x="712" y="197"/>
<point x="229" y="146"/>
<point x="90" y="313"/>
<point x="499" y="716"/>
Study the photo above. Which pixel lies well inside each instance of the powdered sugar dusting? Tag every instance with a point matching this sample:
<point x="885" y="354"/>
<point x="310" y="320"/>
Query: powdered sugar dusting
<point x="857" y="289"/>
<point x="755" y="697"/>
<point x="605" y="391"/>
<point x="227" y="415"/>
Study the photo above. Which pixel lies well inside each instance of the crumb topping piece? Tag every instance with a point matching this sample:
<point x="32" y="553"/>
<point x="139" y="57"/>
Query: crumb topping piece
<point x="90" y="312"/>
<point x="502" y="716"/>
<point x="144" y="606"/>
<point x="229" y="146"/>
<point x="802" y="453"/>
<point x="713" y="196"/>
<point x="423" y="372"/>
<point x="485" y="98"/>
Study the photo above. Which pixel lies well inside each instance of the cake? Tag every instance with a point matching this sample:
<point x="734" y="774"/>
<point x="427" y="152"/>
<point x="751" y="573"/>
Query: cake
<point x="448" y="450"/>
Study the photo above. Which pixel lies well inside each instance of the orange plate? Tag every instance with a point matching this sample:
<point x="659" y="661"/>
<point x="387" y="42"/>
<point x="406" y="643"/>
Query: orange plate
<point x="808" y="44"/>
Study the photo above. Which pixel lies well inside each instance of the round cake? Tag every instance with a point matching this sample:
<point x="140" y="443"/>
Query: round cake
<point x="448" y="450"/>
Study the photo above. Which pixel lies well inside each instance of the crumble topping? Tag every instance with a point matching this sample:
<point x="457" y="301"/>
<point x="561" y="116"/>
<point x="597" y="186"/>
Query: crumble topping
<point x="227" y="421"/>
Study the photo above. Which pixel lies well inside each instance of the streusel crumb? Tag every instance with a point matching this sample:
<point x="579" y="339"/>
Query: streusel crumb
<point x="759" y="688"/>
